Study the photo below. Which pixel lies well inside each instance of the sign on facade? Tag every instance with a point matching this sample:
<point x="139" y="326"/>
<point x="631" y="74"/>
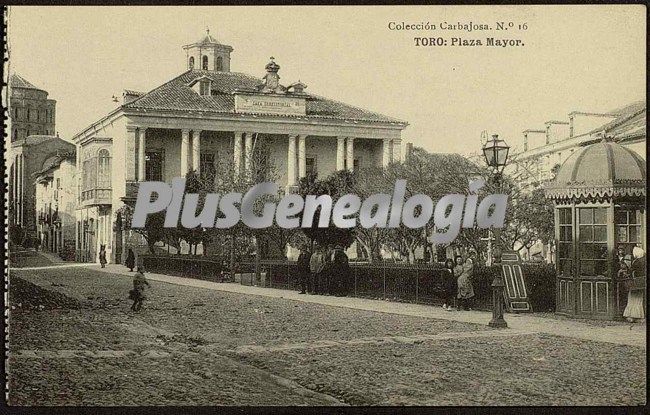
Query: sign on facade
<point x="263" y="104"/>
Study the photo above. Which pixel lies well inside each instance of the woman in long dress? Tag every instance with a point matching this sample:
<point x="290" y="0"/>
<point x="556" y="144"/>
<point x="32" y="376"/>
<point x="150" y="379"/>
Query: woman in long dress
<point x="449" y="285"/>
<point x="464" y="270"/>
<point x="130" y="260"/>
<point x="634" y="310"/>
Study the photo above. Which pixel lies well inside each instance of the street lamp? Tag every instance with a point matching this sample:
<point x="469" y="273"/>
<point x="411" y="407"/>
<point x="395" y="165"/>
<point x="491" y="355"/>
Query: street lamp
<point x="496" y="156"/>
<point x="495" y="152"/>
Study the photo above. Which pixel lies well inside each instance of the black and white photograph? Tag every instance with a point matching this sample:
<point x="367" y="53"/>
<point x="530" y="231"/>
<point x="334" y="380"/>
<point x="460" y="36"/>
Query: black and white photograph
<point x="325" y="206"/>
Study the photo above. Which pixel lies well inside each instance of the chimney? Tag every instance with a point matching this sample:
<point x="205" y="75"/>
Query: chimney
<point x="129" y="96"/>
<point x="298" y="87"/>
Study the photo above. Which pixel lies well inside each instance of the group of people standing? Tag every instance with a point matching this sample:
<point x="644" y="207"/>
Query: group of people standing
<point x="457" y="283"/>
<point x="325" y="271"/>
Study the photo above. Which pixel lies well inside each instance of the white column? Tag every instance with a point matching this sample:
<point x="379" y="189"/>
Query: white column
<point x="185" y="147"/>
<point x="350" y="153"/>
<point x="385" y="160"/>
<point x="196" y="151"/>
<point x="141" y="147"/>
<point x="397" y="150"/>
<point x="237" y="153"/>
<point x="340" y="153"/>
<point x="302" y="157"/>
<point x="248" y="151"/>
<point x="130" y="154"/>
<point x="291" y="161"/>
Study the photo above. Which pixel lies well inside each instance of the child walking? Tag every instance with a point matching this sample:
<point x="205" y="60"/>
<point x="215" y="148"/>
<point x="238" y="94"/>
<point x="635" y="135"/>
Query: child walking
<point x="137" y="293"/>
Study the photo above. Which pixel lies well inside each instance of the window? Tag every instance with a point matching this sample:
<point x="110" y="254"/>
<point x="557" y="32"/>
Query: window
<point x="592" y="231"/>
<point x="207" y="167"/>
<point x="191" y="62"/>
<point x="356" y="163"/>
<point x="154" y="166"/>
<point x="311" y="166"/>
<point x="628" y="229"/>
<point x="104" y="169"/>
<point x="219" y="63"/>
<point x="204" y="87"/>
<point x="565" y="243"/>
<point x="204" y="64"/>
<point x="89" y="175"/>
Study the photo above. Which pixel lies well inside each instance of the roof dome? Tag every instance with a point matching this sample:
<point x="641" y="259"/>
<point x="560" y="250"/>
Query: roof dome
<point x="600" y="170"/>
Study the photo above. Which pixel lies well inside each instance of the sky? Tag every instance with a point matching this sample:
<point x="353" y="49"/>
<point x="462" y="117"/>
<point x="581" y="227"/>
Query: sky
<point x="575" y="58"/>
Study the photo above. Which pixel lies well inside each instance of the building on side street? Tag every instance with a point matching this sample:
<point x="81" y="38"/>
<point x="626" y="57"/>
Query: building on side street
<point x="56" y="203"/>
<point x="29" y="142"/>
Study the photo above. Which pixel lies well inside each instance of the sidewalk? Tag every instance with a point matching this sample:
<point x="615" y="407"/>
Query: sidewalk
<point x="615" y="333"/>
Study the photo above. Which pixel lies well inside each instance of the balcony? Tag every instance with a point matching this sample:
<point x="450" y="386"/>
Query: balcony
<point x="131" y="193"/>
<point x="95" y="197"/>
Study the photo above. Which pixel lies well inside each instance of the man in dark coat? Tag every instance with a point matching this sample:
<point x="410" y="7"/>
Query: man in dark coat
<point x="340" y="272"/>
<point x="303" y="271"/>
<point x="130" y="260"/>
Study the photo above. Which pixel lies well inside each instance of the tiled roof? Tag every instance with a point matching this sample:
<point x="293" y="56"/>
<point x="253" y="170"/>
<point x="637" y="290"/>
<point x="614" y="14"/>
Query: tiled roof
<point x="625" y="124"/>
<point x="18" y="81"/>
<point x="177" y="95"/>
<point x="55" y="161"/>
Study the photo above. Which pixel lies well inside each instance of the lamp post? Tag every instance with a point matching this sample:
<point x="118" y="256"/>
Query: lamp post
<point x="495" y="152"/>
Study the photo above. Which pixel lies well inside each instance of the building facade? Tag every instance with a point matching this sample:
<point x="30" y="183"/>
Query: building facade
<point x="205" y="119"/>
<point x="543" y="150"/>
<point x="56" y="203"/>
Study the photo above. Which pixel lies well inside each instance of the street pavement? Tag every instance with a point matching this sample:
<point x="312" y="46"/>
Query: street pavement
<point x="73" y="341"/>
<point x="610" y="332"/>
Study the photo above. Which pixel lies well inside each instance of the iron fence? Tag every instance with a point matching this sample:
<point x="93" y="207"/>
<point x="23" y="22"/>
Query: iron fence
<point x="413" y="283"/>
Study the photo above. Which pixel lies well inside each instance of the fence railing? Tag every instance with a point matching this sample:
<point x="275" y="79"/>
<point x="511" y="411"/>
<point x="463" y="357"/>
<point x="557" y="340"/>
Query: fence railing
<point x="204" y="268"/>
<point x="414" y="283"/>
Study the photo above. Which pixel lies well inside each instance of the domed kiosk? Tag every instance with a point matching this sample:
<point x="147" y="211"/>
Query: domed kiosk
<point x="599" y="194"/>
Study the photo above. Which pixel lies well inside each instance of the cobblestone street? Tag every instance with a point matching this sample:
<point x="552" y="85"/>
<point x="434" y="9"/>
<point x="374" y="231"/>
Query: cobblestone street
<point x="73" y="341"/>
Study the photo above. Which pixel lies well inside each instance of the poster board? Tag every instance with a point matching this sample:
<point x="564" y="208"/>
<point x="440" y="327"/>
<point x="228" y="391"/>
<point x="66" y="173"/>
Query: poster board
<point x="515" y="293"/>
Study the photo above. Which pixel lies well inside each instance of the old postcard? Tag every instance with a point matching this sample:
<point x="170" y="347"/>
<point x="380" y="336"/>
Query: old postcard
<point x="325" y="205"/>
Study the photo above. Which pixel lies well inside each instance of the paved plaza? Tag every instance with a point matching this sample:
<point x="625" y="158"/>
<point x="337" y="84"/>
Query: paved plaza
<point x="73" y="341"/>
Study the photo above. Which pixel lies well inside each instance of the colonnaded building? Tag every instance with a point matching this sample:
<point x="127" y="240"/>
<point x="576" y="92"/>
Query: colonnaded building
<point x="209" y="116"/>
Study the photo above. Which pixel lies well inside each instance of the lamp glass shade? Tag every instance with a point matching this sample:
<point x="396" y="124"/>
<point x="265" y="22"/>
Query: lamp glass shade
<point x="496" y="152"/>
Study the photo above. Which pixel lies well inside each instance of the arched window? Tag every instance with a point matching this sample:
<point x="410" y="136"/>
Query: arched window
<point x="104" y="169"/>
<point x="205" y="63"/>
<point x="191" y="62"/>
<point x="219" y="63"/>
